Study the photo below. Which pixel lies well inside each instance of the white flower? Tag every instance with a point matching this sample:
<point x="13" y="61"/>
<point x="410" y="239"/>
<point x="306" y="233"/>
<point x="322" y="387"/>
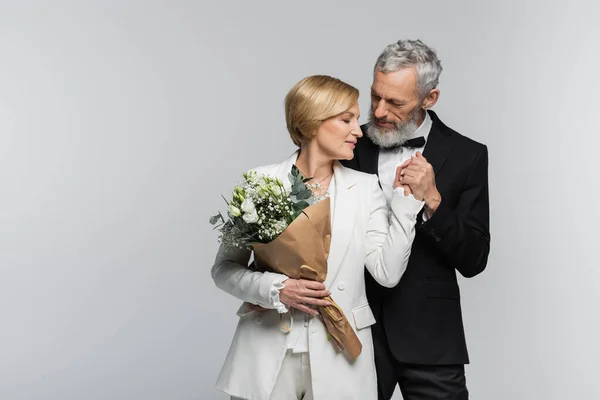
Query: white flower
<point x="275" y="189"/>
<point x="251" y="177"/>
<point x="263" y="191"/>
<point x="234" y="211"/>
<point x="251" y="217"/>
<point x="280" y="226"/>
<point x="248" y="206"/>
<point x="250" y="192"/>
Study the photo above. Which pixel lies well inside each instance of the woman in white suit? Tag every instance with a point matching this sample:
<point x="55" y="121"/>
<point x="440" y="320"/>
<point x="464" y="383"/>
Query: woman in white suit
<point x="266" y="362"/>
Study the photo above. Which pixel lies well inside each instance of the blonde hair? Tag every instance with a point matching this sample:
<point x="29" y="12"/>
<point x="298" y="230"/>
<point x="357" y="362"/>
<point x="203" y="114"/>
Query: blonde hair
<point x="313" y="100"/>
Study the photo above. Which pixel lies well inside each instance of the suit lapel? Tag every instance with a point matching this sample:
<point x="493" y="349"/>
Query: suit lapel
<point x="285" y="168"/>
<point x="344" y="216"/>
<point x="439" y="143"/>
<point x="367" y="154"/>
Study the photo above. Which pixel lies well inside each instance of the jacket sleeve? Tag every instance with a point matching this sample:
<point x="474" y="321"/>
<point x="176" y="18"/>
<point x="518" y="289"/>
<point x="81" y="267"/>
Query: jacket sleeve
<point x="389" y="237"/>
<point x="232" y="275"/>
<point x="462" y="233"/>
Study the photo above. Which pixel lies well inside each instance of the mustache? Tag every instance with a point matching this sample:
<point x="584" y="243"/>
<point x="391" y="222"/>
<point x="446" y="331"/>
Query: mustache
<point x="382" y="120"/>
<point x="385" y="121"/>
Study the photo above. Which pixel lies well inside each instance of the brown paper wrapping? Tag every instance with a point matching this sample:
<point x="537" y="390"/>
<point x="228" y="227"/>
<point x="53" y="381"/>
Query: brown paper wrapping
<point x="301" y="252"/>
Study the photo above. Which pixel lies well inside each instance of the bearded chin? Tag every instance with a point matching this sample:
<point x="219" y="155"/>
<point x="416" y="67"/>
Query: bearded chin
<point x="392" y="137"/>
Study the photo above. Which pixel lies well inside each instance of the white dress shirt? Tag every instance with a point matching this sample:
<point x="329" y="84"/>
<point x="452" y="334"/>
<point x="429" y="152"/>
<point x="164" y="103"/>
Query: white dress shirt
<point x="389" y="159"/>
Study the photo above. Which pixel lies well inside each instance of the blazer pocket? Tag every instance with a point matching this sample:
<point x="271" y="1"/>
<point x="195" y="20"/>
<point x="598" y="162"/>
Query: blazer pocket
<point x="363" y="316"/>
<point x="244" y="310"/>
<point x="442" y="290"/>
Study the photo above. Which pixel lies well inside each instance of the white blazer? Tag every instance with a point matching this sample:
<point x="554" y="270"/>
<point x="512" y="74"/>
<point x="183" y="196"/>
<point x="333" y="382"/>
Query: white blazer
<point x="362" y="235"/>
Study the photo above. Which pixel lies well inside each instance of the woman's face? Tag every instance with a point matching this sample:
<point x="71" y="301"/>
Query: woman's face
<point x="337" y="136"/>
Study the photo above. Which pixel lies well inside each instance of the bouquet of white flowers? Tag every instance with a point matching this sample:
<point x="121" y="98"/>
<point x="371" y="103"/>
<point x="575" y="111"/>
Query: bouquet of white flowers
<point x="289" y="231"/>
<point x="261" y="208"/>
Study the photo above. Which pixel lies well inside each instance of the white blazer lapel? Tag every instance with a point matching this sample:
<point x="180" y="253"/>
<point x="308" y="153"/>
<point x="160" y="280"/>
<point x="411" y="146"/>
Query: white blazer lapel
<point x="343" y="210"/>
<point x="344" y="216"/>
<point x="285" y="168"/>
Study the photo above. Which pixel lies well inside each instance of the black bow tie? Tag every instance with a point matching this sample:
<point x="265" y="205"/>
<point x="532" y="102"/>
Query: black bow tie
<point x="414" y="142"/>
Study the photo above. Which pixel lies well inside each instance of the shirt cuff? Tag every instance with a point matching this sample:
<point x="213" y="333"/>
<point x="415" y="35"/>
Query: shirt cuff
<point x="399" y="190"/>
<point x="406" y="203"/>
<point x="274" y="296"/>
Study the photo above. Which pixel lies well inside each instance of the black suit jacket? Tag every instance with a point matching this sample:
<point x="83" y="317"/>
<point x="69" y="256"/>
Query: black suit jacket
<point x="422" y="316"/>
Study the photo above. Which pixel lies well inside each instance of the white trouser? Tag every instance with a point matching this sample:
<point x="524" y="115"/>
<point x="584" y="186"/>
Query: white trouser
<point x="294" y="381"/>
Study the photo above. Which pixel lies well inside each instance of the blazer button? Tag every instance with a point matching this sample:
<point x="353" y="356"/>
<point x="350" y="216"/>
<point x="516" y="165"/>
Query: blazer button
<point x="432" y="231"/>
<point x="258" y="320"/>
<point x="341" y="286"/>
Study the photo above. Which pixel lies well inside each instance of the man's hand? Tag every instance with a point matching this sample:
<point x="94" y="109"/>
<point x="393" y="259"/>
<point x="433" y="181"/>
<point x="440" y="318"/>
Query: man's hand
<point x="300" y="294"/>
<point x="418" y="174"/>
<point x="397" y="180"/>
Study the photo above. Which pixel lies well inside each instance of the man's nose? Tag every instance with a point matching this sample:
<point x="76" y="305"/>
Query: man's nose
<point x="380" y="110"/>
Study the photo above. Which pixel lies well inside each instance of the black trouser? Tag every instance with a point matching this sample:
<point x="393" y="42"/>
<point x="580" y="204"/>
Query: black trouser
<point x="417" y="382"/>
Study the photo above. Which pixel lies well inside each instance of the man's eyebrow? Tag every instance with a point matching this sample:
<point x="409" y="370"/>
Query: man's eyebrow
<point x="388" y="99"/>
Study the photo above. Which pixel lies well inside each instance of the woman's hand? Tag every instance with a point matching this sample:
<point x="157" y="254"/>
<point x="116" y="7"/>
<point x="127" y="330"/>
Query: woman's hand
<point x="399" y="178"/>
<point x="300" y="294"/>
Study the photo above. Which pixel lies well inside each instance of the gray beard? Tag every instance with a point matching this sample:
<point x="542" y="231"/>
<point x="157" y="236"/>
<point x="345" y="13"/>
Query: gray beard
<point x="395" y="136"/>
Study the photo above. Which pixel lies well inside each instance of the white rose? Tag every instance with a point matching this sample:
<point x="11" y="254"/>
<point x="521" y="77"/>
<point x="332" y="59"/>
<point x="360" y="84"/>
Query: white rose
<point x="248" y="206"/>
<point x="234" y="211"/>
<point x="275" y="189"/>
<point x="251" y="217"/>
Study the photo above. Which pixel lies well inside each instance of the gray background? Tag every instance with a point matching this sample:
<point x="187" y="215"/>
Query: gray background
<point x="121" y="123"/>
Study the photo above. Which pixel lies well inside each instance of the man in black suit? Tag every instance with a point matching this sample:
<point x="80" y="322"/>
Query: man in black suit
<point x="419" y="336"/>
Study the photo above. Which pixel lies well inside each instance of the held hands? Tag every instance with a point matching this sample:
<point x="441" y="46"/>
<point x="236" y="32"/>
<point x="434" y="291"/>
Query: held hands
<point x="398" y="180"/>
<point x="301" y="294"/>
<point x="418" y="175"/>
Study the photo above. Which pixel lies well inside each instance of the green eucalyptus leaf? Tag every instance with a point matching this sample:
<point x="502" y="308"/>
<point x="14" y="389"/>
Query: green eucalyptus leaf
<point x="301" y="205"/>
<point x="215" y="218"/>
<point x="305" y="194"/>
<point x="295" y="171"/>
<point x="297" y="188"/>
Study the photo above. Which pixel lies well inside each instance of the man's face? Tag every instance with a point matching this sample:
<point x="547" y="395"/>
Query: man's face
<point x="396" y="111"/>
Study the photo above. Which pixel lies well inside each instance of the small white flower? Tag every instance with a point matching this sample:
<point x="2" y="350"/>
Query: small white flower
<point x="279" y="226"/>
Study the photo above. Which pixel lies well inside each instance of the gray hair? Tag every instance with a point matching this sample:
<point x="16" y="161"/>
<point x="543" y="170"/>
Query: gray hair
<point x="408" y="54"/>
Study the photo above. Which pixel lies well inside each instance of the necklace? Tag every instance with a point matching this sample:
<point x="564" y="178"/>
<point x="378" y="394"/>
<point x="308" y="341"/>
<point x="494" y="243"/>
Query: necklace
<point x="315" y="186"/>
